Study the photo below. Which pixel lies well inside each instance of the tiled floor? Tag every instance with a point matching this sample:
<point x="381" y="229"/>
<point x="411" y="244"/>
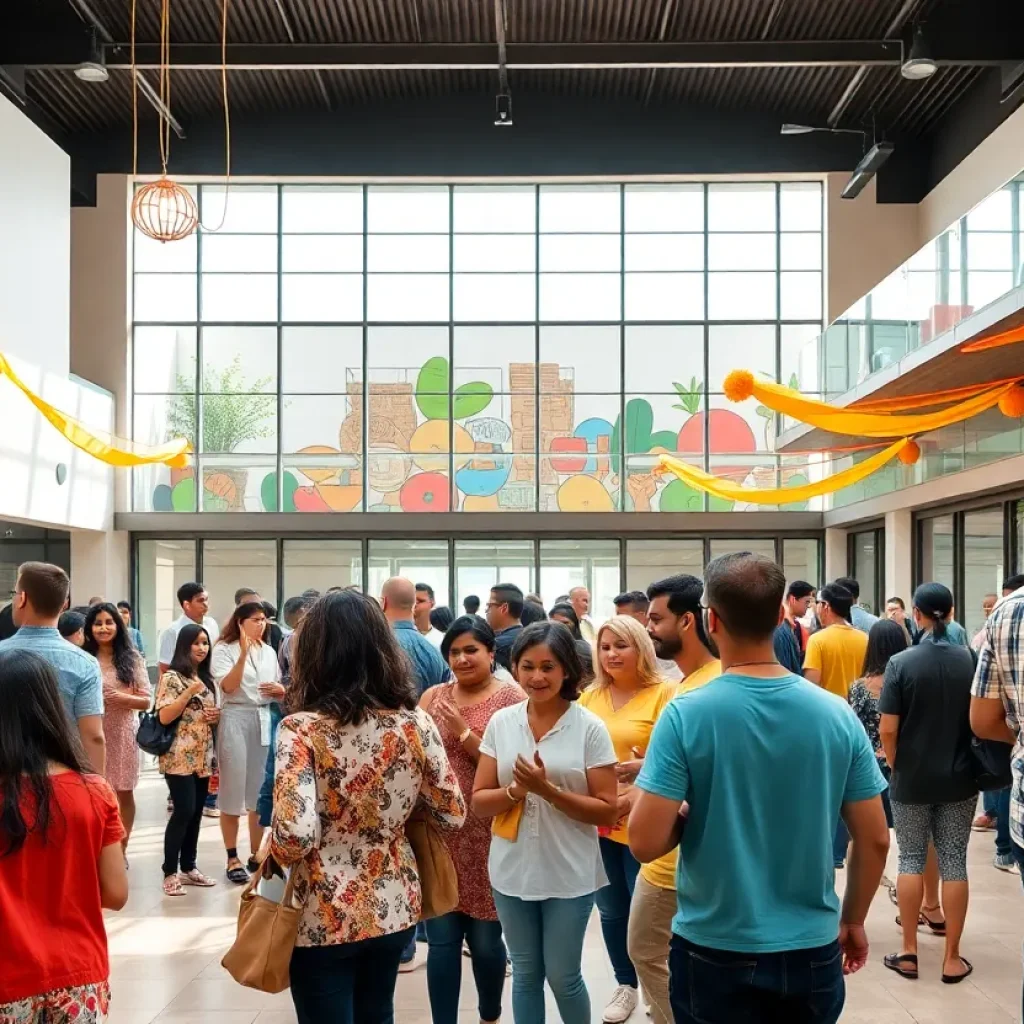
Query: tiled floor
<point x="165" y="953"/>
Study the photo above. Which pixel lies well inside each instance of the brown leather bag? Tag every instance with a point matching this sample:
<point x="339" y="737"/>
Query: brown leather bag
<point x="438" y="881"/>
<point x="261" y="954"/>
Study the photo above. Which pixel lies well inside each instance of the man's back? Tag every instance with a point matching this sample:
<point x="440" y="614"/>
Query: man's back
<point x="765" y="764"/>
<point x="837" y="652"/>
<point x="427" y="664"/>
<point x="78" y="673"/>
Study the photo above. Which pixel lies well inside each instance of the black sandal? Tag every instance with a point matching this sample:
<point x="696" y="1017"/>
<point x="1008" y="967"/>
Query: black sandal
<point x="937" y="927"/>
<point x="238" y="875"/>
<point x="252" y="865"/>
<point x="894" y="960"/>
<point x="955" y="979"/>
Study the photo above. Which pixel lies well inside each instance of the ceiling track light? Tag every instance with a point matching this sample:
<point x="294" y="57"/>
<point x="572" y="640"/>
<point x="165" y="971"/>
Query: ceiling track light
<point x="503" y="101"/>
<point x="920" y="64"/>
<point x="503" y="109"/>
<point x="806" y="129"/>
<point x="867" y="169"/>
<point x="95" y="68"/>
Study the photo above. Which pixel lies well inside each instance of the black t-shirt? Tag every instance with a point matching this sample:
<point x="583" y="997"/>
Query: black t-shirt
<point x="503" y="646"/>
<point x="929" y="687"/>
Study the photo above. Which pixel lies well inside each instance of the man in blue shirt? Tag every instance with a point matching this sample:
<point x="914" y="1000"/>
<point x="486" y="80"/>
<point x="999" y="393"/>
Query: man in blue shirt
<point x="504" y="613"/>
<point x="764" y="762"/>
<point x="39" y="597"/>
<point x="860" y="617"/>
<point x="398" y="598"/>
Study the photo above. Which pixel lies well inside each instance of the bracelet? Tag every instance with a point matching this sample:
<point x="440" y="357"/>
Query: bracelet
<point x="508" y="793"/>
<point x="465" y="734"/>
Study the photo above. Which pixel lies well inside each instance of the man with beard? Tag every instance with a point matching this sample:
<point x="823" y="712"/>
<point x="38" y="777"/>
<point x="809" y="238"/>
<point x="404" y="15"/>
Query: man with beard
<point x="675" y="625"/>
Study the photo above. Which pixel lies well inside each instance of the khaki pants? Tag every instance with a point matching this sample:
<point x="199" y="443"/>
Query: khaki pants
<point x="650" y="930"/>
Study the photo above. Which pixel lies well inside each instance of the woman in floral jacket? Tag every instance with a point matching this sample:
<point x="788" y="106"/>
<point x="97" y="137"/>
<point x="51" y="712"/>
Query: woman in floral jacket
<point x="353" y="763"/>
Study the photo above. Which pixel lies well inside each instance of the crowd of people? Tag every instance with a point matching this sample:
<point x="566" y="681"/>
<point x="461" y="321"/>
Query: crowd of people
<point x="567" y="762"/>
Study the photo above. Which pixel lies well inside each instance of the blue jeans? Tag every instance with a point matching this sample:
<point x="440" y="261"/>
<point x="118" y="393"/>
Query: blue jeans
<point x="351" y="983"/>
<point x="444" y="965"/>
<point x="990" y="801"/>
<point x="713" y="986"/>
<point x="545" y="941"/>
<point x="1004" y="846"/>
<point x="613" y="902"/>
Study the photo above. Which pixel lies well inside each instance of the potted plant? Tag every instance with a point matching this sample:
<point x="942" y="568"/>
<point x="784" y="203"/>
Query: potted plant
<point x="233" y="412"/>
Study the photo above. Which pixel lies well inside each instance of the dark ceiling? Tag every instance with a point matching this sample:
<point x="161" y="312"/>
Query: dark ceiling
<point x="689" y="118"/>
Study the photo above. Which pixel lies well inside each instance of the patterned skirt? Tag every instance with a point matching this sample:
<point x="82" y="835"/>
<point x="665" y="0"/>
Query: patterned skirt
<point x="85" y="1004"/>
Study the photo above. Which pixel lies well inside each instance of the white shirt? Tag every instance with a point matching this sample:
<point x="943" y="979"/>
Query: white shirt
<point x="260" y="667"/>
<point x="553" y="856"/>
<point x="435" y="636"/>
<point x="169" y="637"/>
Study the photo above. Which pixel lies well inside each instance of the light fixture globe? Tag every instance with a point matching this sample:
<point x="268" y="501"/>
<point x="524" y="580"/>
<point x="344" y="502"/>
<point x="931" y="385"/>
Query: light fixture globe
<point x="164" y="210"/>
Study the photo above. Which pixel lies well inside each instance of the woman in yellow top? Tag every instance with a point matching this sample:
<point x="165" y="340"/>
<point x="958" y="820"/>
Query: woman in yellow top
<point x="628" y="695"/>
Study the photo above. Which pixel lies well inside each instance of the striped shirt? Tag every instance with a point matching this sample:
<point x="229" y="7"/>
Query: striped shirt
<point x="1000" y="675"/>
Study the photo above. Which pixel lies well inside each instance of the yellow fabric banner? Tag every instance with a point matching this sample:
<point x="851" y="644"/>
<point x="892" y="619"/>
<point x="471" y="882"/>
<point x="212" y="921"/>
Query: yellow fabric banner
<point x="114" y="451"/>
<point x="741" y="384"/>
<point x="781" y="495"/>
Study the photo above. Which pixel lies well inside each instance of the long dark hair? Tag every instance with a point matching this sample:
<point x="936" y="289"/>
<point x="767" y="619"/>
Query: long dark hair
<point x="233" y="627"/>
<point x="567" y="611"/>
<point x="125" y="657"/>
<point x="34" y="731"/>
<point x="181" y="660"/>
<point x="562" y="645"/>
<point x="887" y="637"/>
<point x="346" y="662"/>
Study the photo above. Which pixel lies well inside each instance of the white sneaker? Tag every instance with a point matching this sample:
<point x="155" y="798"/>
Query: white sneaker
<point x="621" y="1005"/>
<point x="407" y="966"/>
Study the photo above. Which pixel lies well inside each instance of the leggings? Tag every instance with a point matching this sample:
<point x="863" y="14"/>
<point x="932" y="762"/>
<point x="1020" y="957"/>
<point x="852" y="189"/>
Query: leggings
<point x="948" y="826"/>
<point x="181" y="837"/>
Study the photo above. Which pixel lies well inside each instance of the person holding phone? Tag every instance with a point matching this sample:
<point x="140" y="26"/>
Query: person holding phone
<point x="186" y="695"/>
<point x="246" y="669"/>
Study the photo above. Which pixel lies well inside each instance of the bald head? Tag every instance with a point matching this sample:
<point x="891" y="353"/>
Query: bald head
<point x="397" y="598"/>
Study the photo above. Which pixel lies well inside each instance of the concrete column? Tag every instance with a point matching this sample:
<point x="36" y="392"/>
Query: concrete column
<point x="899" y="553"/>
<point x="99" y="565"/>
<point x="835" y="554"/>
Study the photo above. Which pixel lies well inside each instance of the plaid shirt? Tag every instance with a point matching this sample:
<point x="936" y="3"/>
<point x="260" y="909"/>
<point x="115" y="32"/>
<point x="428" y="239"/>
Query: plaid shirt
<point x="1000" y="675"/>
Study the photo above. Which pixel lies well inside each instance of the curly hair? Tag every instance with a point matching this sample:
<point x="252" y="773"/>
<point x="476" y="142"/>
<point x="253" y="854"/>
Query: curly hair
<point x="346" y="662"/>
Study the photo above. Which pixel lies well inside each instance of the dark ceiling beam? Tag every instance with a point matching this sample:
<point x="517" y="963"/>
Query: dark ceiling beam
<point x="521" y="56"/>
<point x="290" y="31"/>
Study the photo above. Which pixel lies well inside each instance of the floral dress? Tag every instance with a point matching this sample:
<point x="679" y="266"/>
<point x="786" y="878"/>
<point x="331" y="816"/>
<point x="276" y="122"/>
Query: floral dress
<point x="471" y="845"/>
<point x="342" y="795"/>
<point x="84" y="1004"/>
<point x="191" y="752"/>
<point x="120" y="725"/>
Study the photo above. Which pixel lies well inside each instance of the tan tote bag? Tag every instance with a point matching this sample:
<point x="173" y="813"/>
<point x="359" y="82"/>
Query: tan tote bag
<point x="438" y="881"/>
<point x="261" y="954"/>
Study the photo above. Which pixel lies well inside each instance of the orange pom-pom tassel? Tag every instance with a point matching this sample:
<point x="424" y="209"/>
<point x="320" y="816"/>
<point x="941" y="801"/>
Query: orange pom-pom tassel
<point x="1012" y="403"/>
<point x="910" y="454"/>
<point x="738" y="385"/>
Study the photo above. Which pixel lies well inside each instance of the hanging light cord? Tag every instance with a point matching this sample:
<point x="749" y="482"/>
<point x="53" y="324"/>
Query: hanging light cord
<point x="164" y="134"/>
<point x="227" y="115"/>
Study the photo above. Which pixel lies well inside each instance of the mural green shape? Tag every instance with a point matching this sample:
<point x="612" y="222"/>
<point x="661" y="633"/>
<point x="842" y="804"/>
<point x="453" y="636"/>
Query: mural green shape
<point x="268" y="492"/>
<point x="639" y="437"/>
<point x="796" y="480"/>
<point x="433" y="384"/>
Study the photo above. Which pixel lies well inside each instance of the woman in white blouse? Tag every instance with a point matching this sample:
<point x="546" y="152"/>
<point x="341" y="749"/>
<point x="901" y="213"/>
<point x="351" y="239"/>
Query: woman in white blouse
<point x="246" y="671"/>
<point x="556" y="760"/>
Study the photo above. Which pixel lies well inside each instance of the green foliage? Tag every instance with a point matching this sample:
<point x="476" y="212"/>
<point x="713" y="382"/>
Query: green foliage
<point x="232" y="413"/>
<point x="433" y="384"/>
<point x="689" y="398"/>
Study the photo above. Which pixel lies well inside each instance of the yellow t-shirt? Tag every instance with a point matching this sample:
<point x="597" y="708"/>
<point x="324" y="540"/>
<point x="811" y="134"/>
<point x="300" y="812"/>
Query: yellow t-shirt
<point x="837" y="652"/>
<point x="662" y="872"/>
<point x="631" y="725"/>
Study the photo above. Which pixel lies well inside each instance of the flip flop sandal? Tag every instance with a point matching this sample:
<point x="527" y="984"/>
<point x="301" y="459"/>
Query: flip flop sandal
<point x="238" y="875"/>
<point x="196" y="877"/>
<point x="937" y="927"/>
<point x="955" y="979"/>
<point x="252" y="865"/>
<point x="172" y="886"/>
<point x="894" y="962"/>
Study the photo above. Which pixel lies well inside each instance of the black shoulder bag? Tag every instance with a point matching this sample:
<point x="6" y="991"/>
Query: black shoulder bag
<point x="152" y="735"/>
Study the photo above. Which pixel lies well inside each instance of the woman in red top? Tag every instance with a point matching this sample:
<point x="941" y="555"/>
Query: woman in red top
<point x="462" y="710"/>
<point x="60" y="856"/>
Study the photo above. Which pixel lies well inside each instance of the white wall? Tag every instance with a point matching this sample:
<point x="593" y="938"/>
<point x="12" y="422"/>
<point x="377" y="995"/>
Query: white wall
<point x="35" y="281"/>
<point x="35" y="215"/>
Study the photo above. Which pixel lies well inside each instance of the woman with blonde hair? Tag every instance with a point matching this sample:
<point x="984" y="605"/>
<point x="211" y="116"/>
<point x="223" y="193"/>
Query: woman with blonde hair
<point x="628" y="694"/>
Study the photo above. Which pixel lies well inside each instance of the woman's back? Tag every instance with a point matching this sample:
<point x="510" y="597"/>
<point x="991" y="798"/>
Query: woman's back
<point x="51" y="928"/>
<point x="929" y="688"/>
<point x="342" y="795"/>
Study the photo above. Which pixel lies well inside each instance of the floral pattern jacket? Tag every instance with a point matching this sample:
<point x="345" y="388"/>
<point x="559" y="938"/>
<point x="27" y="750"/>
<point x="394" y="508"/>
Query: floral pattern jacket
<point x="192" y="749"/>
<point x="342" y="795"/>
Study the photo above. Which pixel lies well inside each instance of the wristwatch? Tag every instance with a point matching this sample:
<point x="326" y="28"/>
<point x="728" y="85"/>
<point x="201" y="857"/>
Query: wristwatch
<point x="464" y="735"/>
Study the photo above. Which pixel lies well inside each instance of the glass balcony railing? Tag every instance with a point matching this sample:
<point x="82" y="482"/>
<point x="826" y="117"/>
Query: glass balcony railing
<point x="978" y="260"/>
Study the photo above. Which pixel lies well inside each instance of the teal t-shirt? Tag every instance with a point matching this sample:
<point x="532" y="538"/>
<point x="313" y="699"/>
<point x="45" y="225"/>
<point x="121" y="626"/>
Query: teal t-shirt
<point x="765" y="765"/>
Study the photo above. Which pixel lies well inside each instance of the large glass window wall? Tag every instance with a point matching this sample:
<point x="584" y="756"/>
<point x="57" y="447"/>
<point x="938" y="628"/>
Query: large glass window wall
<point x="479" y="348"/>
<point x="455" y="567"/>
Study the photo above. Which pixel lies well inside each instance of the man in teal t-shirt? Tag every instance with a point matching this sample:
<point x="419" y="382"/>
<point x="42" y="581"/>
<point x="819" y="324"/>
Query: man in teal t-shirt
<point x="766" y="762"/>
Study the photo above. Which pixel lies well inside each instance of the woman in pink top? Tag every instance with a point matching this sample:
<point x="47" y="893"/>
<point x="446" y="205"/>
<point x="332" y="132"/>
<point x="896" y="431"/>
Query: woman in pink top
<point x="462" y="710"/>
<point x="126" y="692"/>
